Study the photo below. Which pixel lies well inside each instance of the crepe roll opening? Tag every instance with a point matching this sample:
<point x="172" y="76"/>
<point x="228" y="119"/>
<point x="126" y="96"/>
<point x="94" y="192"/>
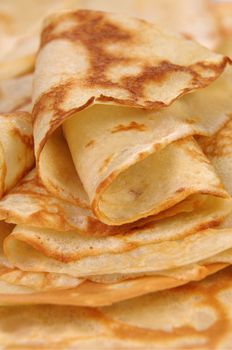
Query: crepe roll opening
<point x="120" y="156"/>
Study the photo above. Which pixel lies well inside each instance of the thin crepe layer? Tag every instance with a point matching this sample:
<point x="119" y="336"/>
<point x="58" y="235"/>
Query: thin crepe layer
<point x="188" y="116"/>
<point x="30" y="243"/>
<point x="13" y="280"/>
<point x="218" y="147"/>
<point x="42" y="247"/>
<point x="196" y="316"/>
<point x="152" y="82"/>
<point x="16" y="148"/>
<point x="16" y="283"/>
<point x="100" y="294"/>
<point x="19" y="18"/>
<point x="29" y="203"/>
<point x="219" y="252"/>
<point x="194" y="19"/>
<point x="16" y="139"/>
<point x="129" y="153"/>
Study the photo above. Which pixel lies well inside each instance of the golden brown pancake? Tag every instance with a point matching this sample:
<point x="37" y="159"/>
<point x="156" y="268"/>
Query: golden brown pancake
<point x="99" y="69"/>
<point x="195" y="316"/>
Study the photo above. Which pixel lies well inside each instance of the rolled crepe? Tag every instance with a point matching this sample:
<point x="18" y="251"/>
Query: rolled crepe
<point x="176" y="245"/>
<point x="29" y="203"/>
<point x="166" y="253"/>
<point x="124" y="182"/>
<point x="163" y="254"/>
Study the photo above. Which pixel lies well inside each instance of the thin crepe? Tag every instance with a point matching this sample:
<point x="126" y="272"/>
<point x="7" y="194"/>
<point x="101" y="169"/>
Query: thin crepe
<point x="20" y="24"/>
<point x="15" y="283"/>
<point x="101" y="77"/>
<point x="13" y="280"/>
<point x="29" y="249"/>
<point x="194" y="19"/>
<point x="31" y="204"/>
<point x="196" y="316"/>
<point x="147" y="252"/>
<point x="16" y="139"/>
<point x="16" y="148"/>
<point x="162" y="254"/>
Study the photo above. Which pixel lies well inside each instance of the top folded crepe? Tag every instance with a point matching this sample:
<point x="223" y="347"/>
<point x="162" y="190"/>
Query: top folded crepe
<point x="90" y="57"/>
<point x="20" y="23"/>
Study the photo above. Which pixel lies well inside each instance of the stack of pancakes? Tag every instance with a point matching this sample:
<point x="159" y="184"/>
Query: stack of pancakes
<point x="116" y="175"/>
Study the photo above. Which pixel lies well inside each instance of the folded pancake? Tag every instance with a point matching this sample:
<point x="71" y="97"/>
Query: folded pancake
<point x="30" y="204"/>
<point x="20" y="24"/>
<point x="99" y="294"/>
<point x="218" y="148"/>
<point x="44" y="251"/>
<point x="16" y="148"/>
<point x="16" y="139"/>
<point x="162" y="254"/>
<point x="126" y="62"/>
<point x="165" y="254"/>
<point x="103" y="290"/>
<point x="174" y="237"/>
<point x="196" y="316"/>
<point x="13" y="280"/>
<point x="193" y="18"/>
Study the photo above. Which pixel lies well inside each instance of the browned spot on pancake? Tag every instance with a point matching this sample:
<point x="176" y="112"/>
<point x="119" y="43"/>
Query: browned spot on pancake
<point x="95" y="31"/>
<point x="117" y="330"/>
<point x="190" y="121"/>
<point x="136" y="193"/>
<point x="90" y="143"/>
<point x="105" y="163"/>
<point x="211" y="224"/>
<point x="97" y="228"/>
<point x="187" y="36"/>
<point x="53" y="99"/>
<point x="181" y="189"/>
<point x="194" y="152"/>
<point x="27" y="140"/>
<point x="211" y="335"/>
<point x="129" y="127"/>
<point x="51" y="102"/>
<point x="104" y="32"/>
<point x="142" y="156"/>
<point x="220" y="144"/>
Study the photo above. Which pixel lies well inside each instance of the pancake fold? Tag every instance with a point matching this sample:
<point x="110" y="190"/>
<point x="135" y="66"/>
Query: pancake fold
<point x="102" y="83"/>
<point x="131" y="190"/>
